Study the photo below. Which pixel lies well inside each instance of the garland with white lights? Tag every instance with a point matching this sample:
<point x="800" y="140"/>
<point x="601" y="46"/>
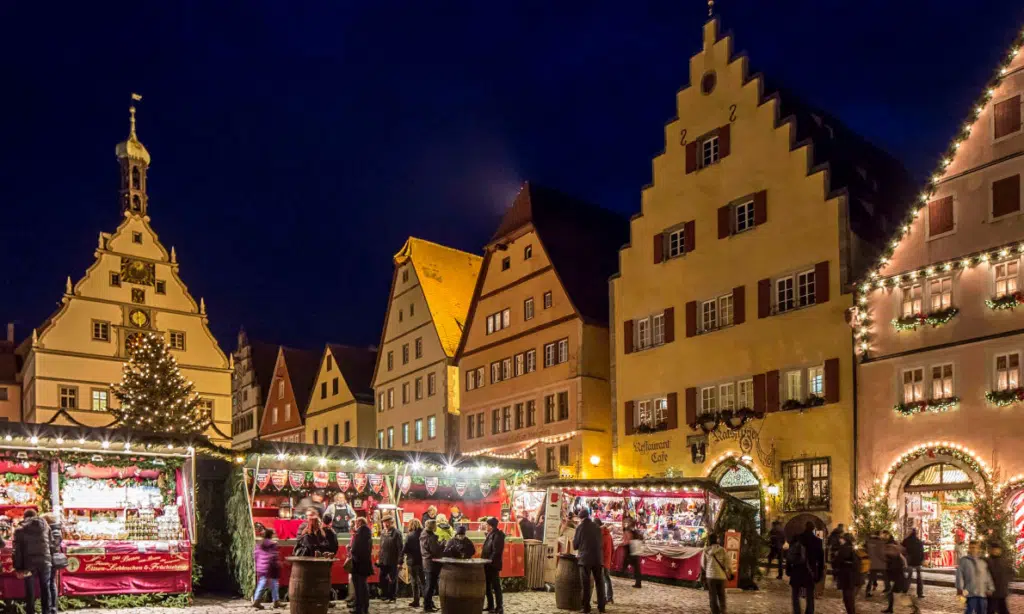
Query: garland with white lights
<point x="1002" y="398"/>
<point x="933" y="319"/>
<point x="934" y="406"/>
<point x="860" y="320"/>
<point x="154" y="395"/>
<point x="1007" y="301"/>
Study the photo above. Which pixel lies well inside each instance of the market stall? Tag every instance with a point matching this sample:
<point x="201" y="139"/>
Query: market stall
<point x="937" y="501"/>
<point x="674" y="516"/>
<point x="283" y="480"/>
<point x="23" y="486"/>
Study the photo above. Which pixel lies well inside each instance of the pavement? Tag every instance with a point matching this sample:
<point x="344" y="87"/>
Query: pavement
<point x="774" y="598"/>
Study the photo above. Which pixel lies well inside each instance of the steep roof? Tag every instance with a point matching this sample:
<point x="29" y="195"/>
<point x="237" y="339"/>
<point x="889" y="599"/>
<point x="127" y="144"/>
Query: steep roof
<point x="582" y="240"/>
<point x="9" y="362"/>
<point x="302" y="368"/>
<point x="356" y="365"/>
<point x="447" y="277"/>
<point x="264" y="356"/>
<point x="877" y="185"/>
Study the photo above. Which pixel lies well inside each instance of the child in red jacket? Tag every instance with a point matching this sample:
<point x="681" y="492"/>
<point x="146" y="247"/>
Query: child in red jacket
<point x="607" y="550"/>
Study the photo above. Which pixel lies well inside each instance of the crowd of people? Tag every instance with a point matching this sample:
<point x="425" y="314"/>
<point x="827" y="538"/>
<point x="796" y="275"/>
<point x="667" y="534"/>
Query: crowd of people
<point x="425" y="542"/>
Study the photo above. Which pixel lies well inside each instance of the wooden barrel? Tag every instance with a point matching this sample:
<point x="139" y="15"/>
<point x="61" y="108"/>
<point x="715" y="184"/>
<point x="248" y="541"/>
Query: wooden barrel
<point x="462" y="586"/>
<point x="309" y="588"/>
<point x="568" y="590"/>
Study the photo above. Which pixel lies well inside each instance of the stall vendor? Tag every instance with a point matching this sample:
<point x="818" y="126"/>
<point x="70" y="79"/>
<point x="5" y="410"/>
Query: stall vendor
<point x="456" y="517"/>
<point x="341" y="513"/>
<point x="430" y="514"/>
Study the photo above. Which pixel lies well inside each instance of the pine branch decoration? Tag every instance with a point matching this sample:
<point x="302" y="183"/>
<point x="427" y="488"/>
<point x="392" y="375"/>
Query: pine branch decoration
<point x="154" y="395"/>
<point x="872" y="512"/>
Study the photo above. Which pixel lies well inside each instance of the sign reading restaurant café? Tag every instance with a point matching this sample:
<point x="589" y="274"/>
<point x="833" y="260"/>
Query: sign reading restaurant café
<point x="657" y="450"/>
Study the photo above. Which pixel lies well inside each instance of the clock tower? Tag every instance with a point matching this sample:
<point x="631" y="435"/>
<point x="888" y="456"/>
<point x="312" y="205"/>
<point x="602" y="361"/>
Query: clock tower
<point x="132" y="287"/>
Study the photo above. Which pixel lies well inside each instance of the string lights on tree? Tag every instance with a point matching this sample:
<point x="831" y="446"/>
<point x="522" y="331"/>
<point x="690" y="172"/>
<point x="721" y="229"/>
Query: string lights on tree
<point x="154" y="396"/>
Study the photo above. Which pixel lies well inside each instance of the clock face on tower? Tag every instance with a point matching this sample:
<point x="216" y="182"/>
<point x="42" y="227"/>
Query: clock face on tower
<point x="139" y="318"/>
<point x="137" y="271"/>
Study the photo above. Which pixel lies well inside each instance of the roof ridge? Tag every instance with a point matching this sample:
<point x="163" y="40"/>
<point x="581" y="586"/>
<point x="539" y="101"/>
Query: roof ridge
<point x="436" y="244"/>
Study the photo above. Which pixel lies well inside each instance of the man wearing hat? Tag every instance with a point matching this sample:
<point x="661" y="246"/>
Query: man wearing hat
<point x="459" y="546"/>
<point x="493" y="551"/>
<point x="389" y="559"/>
<point x="590" y="558"/>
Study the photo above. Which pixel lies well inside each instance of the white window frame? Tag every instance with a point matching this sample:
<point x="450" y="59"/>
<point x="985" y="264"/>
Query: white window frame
<point x="708" y="400"/>
<point x="911" y="387"/>
<point x="794" y="385"/>
<point x="100" y="330"/>
<point x="785" y="294"/>
<point x="506" y="369"/>
<point x="99" y="397"/>
<point x="745" y="394"/>
<point x="727" y="395"/>
<point x="495" y="371"/>
<point x="944" y="296"/>
<point x="1008" y="378"/>
<point x="676" y="245"/>
<point x="946" y="383"/>
<point x="709" y="315"/>
<point x="710" y="152"/>
<point x="912" y="299"/>
<point x="743" y="216"/>
<point x="805" y="288"/>
<point x="563" y="351"/>
<point x="391" y="398"/>
<point x="816" y="381"/>
<point x="549" y="300"/>
<point x="1006" y="282"/>
<point x="643" y="333"/>
<point x="549" y="355"/>
<point x="431" y="427"/>
<point x="405" y="433"/>
<point x="418" y="430"/>
<point x="658" y="329"/>
<point x="531" y="361"/>
<point x="520" y="365"/>
<point x="528" y="311"/>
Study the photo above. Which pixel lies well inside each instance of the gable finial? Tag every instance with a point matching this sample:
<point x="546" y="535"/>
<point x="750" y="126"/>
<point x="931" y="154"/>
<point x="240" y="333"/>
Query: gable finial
<point x="711" y="8"/>
<point x="67" y="286"/>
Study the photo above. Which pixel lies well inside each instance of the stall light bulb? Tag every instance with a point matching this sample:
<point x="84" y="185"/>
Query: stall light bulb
<point x="105" y="445"/>
<point x="34" y="440"/>
<point x="323" y="461"/>
<point x="60" y="441"/>
<point x="280" y="456"/>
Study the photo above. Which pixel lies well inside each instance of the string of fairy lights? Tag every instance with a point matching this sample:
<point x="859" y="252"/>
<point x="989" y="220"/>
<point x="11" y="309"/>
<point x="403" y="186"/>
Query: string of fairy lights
<point x="875" y="280"/>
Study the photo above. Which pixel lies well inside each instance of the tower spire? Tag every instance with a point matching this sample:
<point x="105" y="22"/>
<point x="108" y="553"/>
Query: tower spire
<point x="134" y="160"/>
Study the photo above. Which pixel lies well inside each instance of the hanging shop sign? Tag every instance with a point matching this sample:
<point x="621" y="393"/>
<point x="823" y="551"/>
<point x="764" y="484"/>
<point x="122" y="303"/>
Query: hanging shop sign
<point x="460" y="487"/>
<point x="359" y="482"/>
<point x="343" y="480"/>
<point x="279" y="478"/>
<point x="296" y="479"/>
<point x="376" y="482"/>
<point x="320" y="479"/>
<point x="431" y="485"/>
<point x="485" y="487"/>
<point x="405" y="483"/>
<point x="263" y="479"/>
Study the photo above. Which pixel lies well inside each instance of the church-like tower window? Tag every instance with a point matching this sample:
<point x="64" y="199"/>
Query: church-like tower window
<point x="136" y="203"/>
<point x="136" y="178"/>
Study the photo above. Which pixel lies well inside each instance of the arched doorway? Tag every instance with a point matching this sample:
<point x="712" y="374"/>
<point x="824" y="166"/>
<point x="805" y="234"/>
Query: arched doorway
<point x="935" y="493"/>
<point x="740" y="481"/>
<point x="798" y="524"/>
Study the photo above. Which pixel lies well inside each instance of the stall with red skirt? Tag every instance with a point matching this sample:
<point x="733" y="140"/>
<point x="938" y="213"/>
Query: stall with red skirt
<point x="664" y="522"/>
<point x="284" y="481"/>
<point x="124" y="501"/>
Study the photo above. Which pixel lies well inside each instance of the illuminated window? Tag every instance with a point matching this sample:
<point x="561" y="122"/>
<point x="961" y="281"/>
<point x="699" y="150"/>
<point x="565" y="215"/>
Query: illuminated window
<point x="913" y="385"/>
<point x="942" y="381"/>
<point x="911" y="300"/>
<point x="1008" y="371"/>
<point x="100" y="400"/>
<point x="1006" y="278"/>
<point x="940" y="292"/>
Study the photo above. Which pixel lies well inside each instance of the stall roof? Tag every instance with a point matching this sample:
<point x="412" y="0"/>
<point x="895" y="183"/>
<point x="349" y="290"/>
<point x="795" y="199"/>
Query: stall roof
<point x="51" y="437"/>
<point x="639" y="487"/>
<point x="373" y="455"/>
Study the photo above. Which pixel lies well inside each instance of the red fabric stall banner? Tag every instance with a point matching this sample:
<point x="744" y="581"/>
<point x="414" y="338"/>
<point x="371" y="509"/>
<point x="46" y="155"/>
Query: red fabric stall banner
<point x="663" y="566"/>
<point x="107" y="473"/>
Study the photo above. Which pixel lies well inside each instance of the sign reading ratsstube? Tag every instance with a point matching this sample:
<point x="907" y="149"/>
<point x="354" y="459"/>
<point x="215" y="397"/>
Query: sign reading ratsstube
<point x="658" y="450"/>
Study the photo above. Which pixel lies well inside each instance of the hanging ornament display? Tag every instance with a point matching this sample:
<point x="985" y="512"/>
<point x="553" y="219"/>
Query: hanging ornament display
<point x="405" y="483"/>
<point x="431" y="485"/>
<point x="359" y="482"/>
<point x="263" y="479"/>
<point x="279" y="478"/>
<point x="296" y="479"/>
<point x="343" y="480"/>
<point x="376" y="481"/>
<point x="460" y="487"/>
<point x="485" y="487"/>
<point x="320" y="479"/>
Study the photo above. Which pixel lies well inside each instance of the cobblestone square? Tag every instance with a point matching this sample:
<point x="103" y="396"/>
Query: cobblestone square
<point x="654" y="598"/>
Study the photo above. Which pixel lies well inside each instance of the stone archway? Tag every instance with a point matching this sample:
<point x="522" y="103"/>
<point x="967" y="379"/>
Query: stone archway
<point x="741" y="479"/>
<point x="797" y="524"/>
<point x="898" y="480"/>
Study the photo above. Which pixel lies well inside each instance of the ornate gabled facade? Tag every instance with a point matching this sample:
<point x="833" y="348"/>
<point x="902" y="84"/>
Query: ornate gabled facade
<point x="415" y="380"/>
<point x="340" y="410"/>
<point x="250" y="381"/>
<point x="284" y="414"/>
<point x="133" y="286"/>
<point x="731" y="356"/>
<point x="534" y="357"/>
<point x="940" y="337"/>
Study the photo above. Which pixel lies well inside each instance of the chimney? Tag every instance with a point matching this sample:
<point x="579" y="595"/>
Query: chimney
<point x="10" y="332"/>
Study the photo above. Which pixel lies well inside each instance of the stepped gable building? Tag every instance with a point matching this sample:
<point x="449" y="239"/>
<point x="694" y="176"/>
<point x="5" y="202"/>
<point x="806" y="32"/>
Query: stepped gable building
<point x="731" y="356"/>
<point x="132" y="287"/>
<point x="534" y="359"/>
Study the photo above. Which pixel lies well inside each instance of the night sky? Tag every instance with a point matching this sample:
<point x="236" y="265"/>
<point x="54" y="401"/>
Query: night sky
<point x="297" y="144"/>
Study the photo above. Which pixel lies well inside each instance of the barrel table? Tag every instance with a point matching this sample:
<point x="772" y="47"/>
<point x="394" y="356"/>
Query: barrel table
<point x="309" y="588"/>
<point x="568" y="590"/>
<point x="534" y="551"/>
<point x="462" y="586"/>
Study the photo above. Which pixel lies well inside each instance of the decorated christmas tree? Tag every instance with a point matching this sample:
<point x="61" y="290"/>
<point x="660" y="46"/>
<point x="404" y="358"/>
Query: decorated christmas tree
<point x="872" y="512"/>
<point x="153" y="394"/>
<point x="993" y="522"/>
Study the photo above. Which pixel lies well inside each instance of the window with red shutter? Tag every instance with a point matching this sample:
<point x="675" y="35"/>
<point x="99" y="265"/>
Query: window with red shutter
<point x="940" y="216"/>
<point x="659" y="247"/>
<point x="690" y="236"/>
<point x="764" y="298"/>
<point x="691" y="318"/>
<point x="724" y="141"/>
<point x="670" y="325"/>
<point x="760" y="207"/>
<point x="821" y="283"/>
<point x="691" y="407"/>
<point x="627" y="336"/>
<point x="724" y="221"/>
<point x="630" y="418"/>
<point x="672" y="419"/>
<point x="739" y="305"/>
<point x="771" y="388"/>
<point x="832" y="380"/>
<point x="1006" y="196"/>
<point x="691" y="157"/>
<point x="1007" y="117"/>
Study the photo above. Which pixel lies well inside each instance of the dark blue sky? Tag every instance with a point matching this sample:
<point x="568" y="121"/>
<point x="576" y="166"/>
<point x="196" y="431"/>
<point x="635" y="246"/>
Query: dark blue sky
<point x="297" y="144"/>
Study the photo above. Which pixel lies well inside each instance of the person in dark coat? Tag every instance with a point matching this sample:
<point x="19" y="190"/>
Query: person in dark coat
<point x="430" y="548"/>
<point x="875" y="546"/>
<point x="915" y="558"/>
<point x="430" y="514"/>
<point x="805" y="566"/>
<point x="414" y="559"/>
<point x="57" y="558"/>
<point x="776" y="546"/>
<point x="389" y="559"/>
<point x="1001" y="570"/>
<point x="846" y="567"/>
<point x="268" y="570"/>
<point x="832" y="544"/>
<point x="330" y="534"/>
<point x="896" y="574"/>
<point x="32" y="559"/>
<point x="527" y="528"/>
<point x="313" y="540"/>
<point x="587" y="544"/>
<point x="459" y="546"/>
<point x="494" y="552"/>
<point x="360" y="552"/>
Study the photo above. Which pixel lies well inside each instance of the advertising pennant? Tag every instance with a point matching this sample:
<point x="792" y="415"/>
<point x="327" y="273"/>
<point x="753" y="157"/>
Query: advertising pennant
<point x="263" y="479"/>
<point x="460" y="487"/>
<point x="431" y="484"/>
<point x="485" y="487"/>
<point x="279" y="478"/>
<point x="359" y="481"/>
<point x="376" y="481"/>
<point x="344" y="481"/>
<point x="405" y="484"/>
<point x="320" y="479"/>
<point x="296" y="479"/>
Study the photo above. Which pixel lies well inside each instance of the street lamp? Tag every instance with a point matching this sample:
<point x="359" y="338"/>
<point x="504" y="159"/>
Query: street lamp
<point x="595" y="460"/>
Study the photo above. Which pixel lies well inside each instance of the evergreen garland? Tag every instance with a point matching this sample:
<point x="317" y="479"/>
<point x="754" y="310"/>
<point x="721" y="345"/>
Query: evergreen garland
<point x="872" y="512"/>
<point x="241" y="536"/>
<point x="936" y="318"/>
<point x="154" y="395"/>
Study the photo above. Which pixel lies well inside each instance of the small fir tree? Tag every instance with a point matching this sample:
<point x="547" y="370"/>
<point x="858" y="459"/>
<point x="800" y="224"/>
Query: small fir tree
<point x="872" y="512"/>
<point x="153" y="394"/>
<point x="992" y="521"/>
